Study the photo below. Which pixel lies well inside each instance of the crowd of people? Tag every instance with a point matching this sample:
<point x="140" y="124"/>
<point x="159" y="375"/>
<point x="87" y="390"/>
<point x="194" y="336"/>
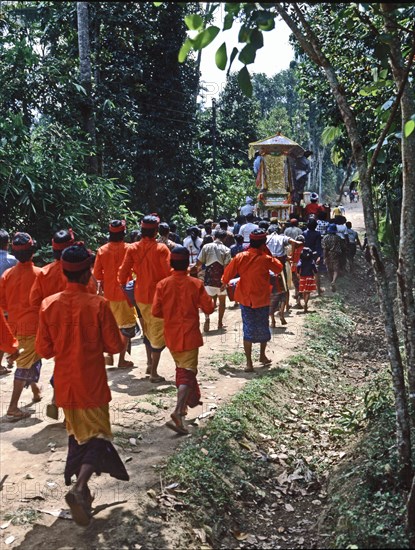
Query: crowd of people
<point x="84" y="308"/>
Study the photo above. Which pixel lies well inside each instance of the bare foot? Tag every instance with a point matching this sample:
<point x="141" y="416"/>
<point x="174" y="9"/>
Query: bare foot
<point x="176" y="424"/>
<point x="264" y="360"/>
<point x="125" y="364"/>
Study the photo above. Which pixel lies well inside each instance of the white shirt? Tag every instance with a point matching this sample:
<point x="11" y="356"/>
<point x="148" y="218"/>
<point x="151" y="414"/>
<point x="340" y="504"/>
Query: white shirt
<point x="192" y="248"/>
<point x="246" y="230"/>
<point x="247" y="209"/>
<point x="277" y="243"/>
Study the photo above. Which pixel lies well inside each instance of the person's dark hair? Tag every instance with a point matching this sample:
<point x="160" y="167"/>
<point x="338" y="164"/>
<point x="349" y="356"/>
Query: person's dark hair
<point x="263" y="224"/>
<point x="322" y="215"/>
<point x="74" y="254"/>
<point x="61" y="236"/>
<point x="308" y="153"/>
<point x="4" y="238"/>
<point x="164" y="229"/>
<point x="173" y="227"/>
<point x="239" y="239"/>
<point x="182" y="264"/>
<point x="339" y="220"/>
<point x="223" y="224"/>
<point x="116" y="237"/>
<point x="257" y="242"/>
<point x="312" y="224"/>
<point x="194" y="233"/>
<point x="249" y="218"/>
<point x="20" y="239"/>
<point x="150" y="231"/>
<point x="134" y="236"/>
<point x="349" y="225"/>
<point x="206" y="240"/>
<point x="220" y="234"/>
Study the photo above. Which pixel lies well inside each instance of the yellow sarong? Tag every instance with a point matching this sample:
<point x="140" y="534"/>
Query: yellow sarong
<point x="153" y="326"/>
<point x="186" y="359"/>
<point x="84" y="424"/>
<point x="125" y="315"/>
<point x="27" y="353"/>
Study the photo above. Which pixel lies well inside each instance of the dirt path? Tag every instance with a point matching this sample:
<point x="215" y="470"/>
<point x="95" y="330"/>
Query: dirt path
<point x="33" y="451"/>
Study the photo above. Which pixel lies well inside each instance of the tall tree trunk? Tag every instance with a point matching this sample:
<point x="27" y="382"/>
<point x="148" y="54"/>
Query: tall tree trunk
<point x="406" y="269"/>
<point x="87" y="104"/>
<point x="309" y="42"/>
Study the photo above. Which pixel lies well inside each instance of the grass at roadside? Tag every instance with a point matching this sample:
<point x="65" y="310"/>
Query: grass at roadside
<point x="327" y="423"/>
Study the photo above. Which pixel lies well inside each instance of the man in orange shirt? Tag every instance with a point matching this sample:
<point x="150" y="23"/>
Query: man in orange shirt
<point x="150" y="261"/>
<point x="253" y="292"/>
<point x="51" y="278"/>
<point x="177" y="301"/>
<point x="15" y="285"/>
<point x="76" y="328"/>
<point x="107" y="263"/>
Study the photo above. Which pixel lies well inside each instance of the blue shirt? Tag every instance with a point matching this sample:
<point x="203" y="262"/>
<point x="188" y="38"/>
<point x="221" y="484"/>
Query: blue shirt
<point x="6" y="261"/>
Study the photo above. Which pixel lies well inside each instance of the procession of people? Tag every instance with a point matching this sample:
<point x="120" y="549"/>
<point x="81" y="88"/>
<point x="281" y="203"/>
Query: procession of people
<point x="84" y="308"/>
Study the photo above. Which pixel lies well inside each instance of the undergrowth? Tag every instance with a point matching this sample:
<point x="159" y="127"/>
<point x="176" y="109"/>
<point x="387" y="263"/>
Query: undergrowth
<point x="218" y="465"/>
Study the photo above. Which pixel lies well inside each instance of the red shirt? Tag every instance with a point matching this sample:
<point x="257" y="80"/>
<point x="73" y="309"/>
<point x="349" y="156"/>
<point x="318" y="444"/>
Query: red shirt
<point x="150" y="261"/>
<point x="15" y="285"/>
<point x="76" y="328"/>
<point x="253" y="267"/>
<point x="8" y="342"/>
<point x="313" y="208"/>
<point x="51" y="280"/>
<point x="107" y="263"/>
<point x="177" y="300"/>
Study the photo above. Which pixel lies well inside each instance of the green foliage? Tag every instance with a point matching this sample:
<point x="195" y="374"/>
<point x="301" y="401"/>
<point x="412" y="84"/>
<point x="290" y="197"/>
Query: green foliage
<point x="183" y="220"/>
<point x="367" y="507"/>
<point x="48" y="188"/>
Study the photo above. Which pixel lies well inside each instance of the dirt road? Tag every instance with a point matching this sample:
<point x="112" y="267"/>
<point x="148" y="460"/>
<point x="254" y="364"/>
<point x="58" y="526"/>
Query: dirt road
<point x="33" y="451"/>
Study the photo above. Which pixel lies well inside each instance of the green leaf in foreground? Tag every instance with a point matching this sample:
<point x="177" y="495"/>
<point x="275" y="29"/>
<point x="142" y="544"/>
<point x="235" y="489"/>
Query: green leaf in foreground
<point x="185" y="49"/>
<point x="205" y="37"/>
<point x="221" y="57"/>
<point x="244" y="81"/>
<point x="194" y="22"/>
<point x="409" y="128"/>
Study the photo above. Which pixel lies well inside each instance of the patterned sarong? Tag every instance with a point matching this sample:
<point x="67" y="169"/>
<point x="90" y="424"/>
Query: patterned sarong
<point x="255" y="324"/>
<point x="28" y="361"/>
<point x="31" y="375"/>
<point x="307" y="284"/>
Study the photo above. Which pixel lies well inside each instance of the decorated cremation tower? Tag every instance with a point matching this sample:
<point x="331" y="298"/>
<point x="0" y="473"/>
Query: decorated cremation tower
<point x="275" y="175"/>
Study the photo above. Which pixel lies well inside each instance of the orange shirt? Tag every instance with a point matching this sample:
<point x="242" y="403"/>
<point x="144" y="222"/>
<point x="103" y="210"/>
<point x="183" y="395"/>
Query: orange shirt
<point x="295" y="256"/>
<point x="107" y="263"/>
<point x="15" y="285"/>
<point x="253" y="267"/>
<point x="177" y="301"/>
<point x="150" y="261"/>
<point x="8" y="342"/>
<point x="76" y="328"/>
<point x="51" y="280"/>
